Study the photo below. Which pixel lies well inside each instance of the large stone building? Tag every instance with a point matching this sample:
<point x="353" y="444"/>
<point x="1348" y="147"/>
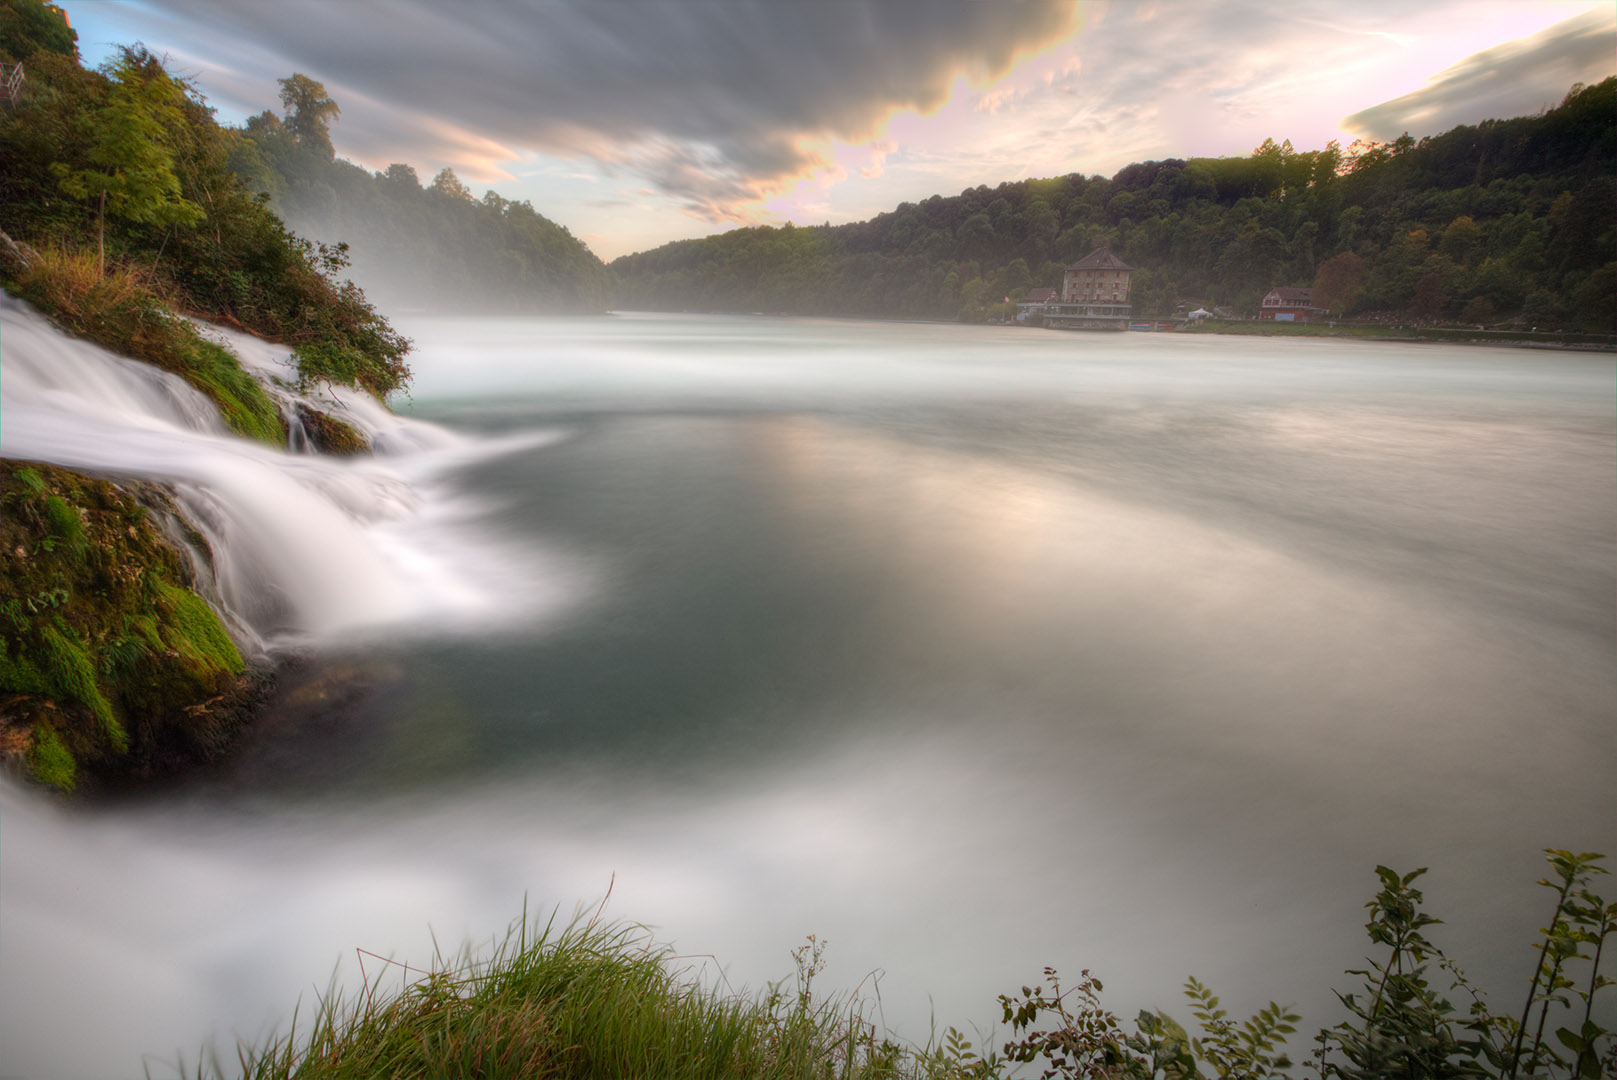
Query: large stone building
<point x="1094" y="294"/>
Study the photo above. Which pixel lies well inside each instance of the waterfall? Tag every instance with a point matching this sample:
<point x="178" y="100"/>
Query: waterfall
<point x="304" y="547"/>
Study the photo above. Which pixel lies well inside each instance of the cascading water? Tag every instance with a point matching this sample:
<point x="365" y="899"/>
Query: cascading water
<point x="304" y="547"/>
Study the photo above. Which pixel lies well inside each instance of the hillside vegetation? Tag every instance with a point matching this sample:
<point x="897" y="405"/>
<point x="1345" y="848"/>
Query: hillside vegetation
<point x="435" y="247"/>
<point x="126" y="166"/>
<point x="1510" y="220"/>
<point x="120" y="217"/>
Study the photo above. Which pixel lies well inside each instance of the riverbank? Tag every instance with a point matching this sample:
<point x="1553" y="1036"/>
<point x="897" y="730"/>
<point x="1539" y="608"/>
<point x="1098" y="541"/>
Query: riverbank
<point x="1447" y="335"/>
<point x="589" y="1000"/>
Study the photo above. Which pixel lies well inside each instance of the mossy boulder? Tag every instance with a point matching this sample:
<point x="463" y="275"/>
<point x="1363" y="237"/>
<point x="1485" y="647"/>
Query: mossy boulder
<point x="110" y="665"/>
<point x="330" y="435"/>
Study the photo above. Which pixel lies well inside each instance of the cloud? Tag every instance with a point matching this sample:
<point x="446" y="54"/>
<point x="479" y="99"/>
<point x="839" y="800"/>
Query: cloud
<point x="1493" y="83"/>
<point x="716" y="100"/>
<point x="876" y="162"/>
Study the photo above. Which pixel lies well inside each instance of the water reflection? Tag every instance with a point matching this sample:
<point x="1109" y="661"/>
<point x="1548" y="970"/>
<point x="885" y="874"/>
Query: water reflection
<point x="1136" y="661"/>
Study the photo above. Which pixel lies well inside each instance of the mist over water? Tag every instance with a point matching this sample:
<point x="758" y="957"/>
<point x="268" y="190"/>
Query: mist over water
<point x="968" y="650"/>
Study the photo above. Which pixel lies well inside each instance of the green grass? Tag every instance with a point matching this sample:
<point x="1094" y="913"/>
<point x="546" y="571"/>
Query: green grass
<point x="583" y="1002"/>
<point x="605" y="1002"/>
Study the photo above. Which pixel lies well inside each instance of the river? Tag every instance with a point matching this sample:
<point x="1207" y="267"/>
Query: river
<point x="968" y="650"/>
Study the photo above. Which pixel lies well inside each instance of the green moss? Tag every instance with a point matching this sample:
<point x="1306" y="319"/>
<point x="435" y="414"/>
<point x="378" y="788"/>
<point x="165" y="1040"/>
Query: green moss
<point x="145" y="629"/>
<point x="194" y="631"/>
<point x="71" y="677"/>
<point x="248" y="411"/>
<point x="105" y="646"/>
<point x="19" y="674"/>
<point x="50" y="762"/>
<point x="66" y="524"/>
<point x="330" y="435"/>
<point x="122" y="656"/>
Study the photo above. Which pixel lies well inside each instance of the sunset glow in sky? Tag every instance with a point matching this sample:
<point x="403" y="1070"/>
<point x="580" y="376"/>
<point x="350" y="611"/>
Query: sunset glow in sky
<point x="636" y="122"/>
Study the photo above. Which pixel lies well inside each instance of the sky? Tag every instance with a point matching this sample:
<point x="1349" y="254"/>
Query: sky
<point x="637" y="122"/>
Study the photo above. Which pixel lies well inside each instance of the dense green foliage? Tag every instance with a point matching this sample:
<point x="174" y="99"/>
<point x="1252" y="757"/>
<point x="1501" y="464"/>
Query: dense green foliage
<point x="133" y="156"/>
<point x="130" y="171"/>
<point x="435" y="246"/>
<point x="591" y="1001"/>
<point x="29" y="28"/>
<point x="1510" y="219"/>
<point x="108" y="662"/>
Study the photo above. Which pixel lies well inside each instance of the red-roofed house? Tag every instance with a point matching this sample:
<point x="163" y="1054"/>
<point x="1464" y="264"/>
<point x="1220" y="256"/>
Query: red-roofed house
<point x="1287" y="304"/>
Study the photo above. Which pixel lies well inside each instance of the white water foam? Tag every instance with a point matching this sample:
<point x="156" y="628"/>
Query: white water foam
<point x="305" y="548"/>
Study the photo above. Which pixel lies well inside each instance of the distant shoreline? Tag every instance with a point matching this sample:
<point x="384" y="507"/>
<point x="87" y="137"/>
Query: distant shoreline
<point x="1526" y="339"/>
<point x="1568" y="341"/>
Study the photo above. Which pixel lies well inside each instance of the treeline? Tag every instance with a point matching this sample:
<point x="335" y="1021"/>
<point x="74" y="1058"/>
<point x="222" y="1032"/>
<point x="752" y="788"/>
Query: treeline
<point x="1509" y="220"/>
<point x="436" y="246"/>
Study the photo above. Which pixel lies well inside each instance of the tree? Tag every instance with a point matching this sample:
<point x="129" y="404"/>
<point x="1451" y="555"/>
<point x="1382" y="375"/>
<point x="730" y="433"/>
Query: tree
<point x="1594" y="301"/>
<point x="29" y="26"/>
<point x="1542" y="308"/>
<point x="1479" y="311"/>
<point x="975" y="234"/>
<point x="1459" y="238"/>
<point x="309" y="113"/>
<point x="1338" y="281"/>
<point x="132" y="173"/>
<point x="1429" y="297"/>
<point x="403" y="176"/>
<point x="447" y="183"/>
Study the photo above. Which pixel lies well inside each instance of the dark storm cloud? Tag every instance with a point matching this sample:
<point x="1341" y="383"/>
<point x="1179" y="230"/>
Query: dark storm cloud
<point x="707" y="97"/>
<point x="1493" y="83"/>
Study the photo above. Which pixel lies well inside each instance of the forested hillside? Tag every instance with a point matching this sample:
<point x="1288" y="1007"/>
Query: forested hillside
<point x="116" y="185"/>
<point x="436" y="246"/>
<point x="1507" y="220"/>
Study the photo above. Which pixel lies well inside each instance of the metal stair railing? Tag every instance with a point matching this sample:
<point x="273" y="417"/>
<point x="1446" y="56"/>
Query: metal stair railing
<point x="11" y="81"/>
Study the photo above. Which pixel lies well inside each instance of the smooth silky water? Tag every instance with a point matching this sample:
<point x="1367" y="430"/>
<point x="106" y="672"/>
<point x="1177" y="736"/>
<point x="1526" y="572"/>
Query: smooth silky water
<point x="968" y="650"/>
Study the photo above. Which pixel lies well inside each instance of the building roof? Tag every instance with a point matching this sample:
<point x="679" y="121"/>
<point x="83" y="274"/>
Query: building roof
<point x="1287" y="292"/>
<point x="1100" y="259"/>
<point x="1040" y="296"/>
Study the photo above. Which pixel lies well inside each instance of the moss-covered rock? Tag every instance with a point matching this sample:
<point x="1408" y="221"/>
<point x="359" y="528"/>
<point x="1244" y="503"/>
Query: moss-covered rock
<point x="330" y="435"/>
<point x="109" y="664"/>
